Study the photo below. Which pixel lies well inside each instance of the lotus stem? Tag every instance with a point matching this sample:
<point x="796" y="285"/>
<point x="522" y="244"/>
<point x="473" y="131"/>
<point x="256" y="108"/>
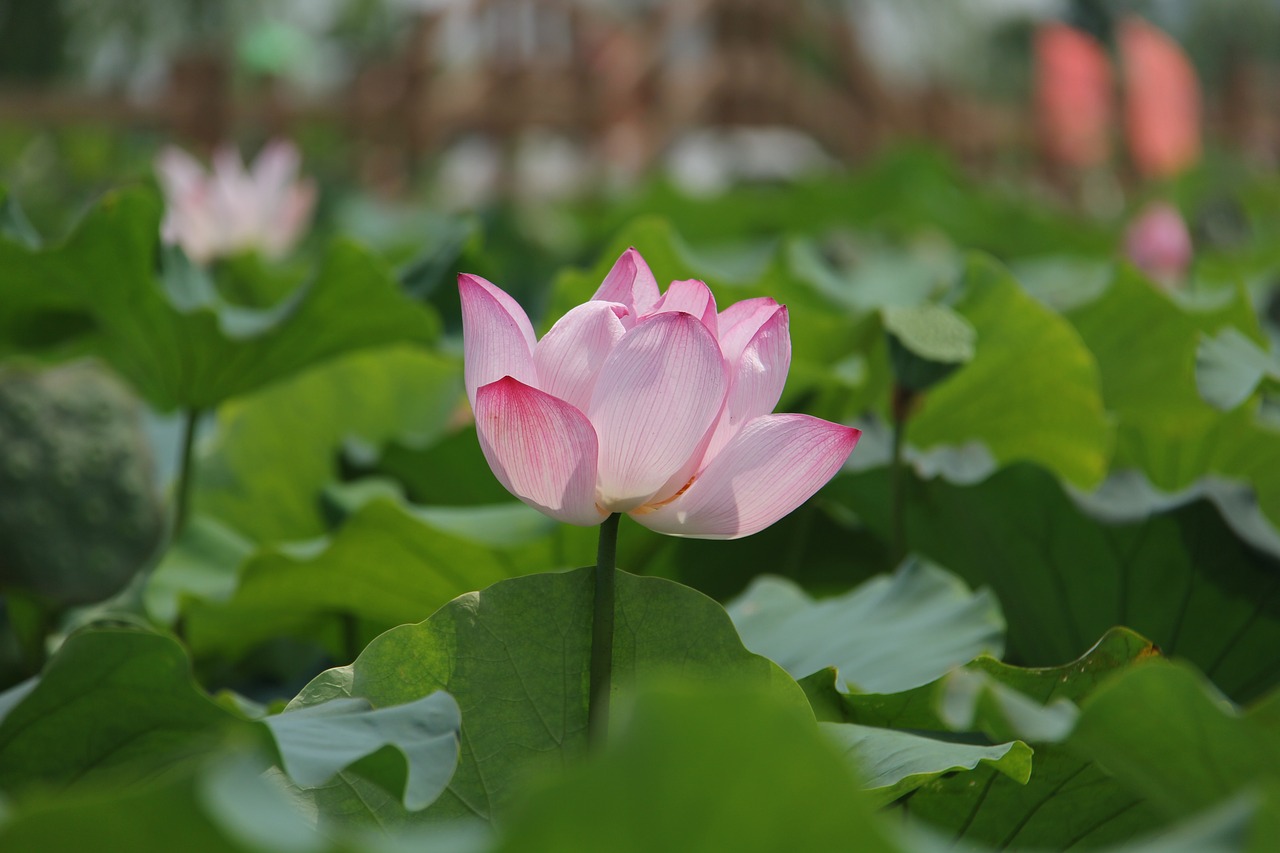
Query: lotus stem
<point x="186" y="471"/>
<point x="602" y="631"/>
<point x="900" y="409"/>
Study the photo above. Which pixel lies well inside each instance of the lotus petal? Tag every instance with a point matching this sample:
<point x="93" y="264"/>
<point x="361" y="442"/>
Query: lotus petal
<point x="541" y="449"/>
<point x="657" y="395"/>
<point x="757" y="374"/>
<point x="569" y="357"/>
<point x="692" y="297"/>
<point x="497" y="337"/>
<point x="774" y="464"/>
<point x="631" y="283"/>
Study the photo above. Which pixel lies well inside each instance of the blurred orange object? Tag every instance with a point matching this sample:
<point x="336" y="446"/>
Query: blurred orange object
<point x="1162" y="101"/>
<point x="1073" y="96"/>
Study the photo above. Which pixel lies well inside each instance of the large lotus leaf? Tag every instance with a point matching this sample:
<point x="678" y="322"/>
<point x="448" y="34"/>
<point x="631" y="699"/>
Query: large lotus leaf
<point x="245" y="280"/>
<point x="1067" y="800"/>
<point x="822" y="549"/>
<point x="14" y="223"/>
<point x="384" y="566"/>
<point x="717" y="767"/>
<point x="114" y="706"/>
<point x="180" y="346"/>
<point x="226" y="805"/>
<point x="927" y="342"/>
<point x="1031" y="392"/>
<point x="1063" y="282"/>
<point x="1230" y="366"/>
<point x="973" y="697"/>
<point x="144" y="820"/>
<point x="1129" y="496"/>
<point x="627" y="799"/>
<point x="229" y="807"/>
<point x="818" y="546"/>
<point x="1242" y="446"/>
<point x="875" y="274"/>
<point x="896" y="763"/>
<point x="1181" y="578"/>
<point x="519" y="533"/>
<point x="515" y="656"/>
<point x="253" y="807"/>
<point x="10" y="698"/>
<point x="117" y="707"/>
<point x="319" y="741"/>
<point x="451" y="471"/>
<point x="1146" y="346"/>
<point x="888" y="634"/>
<point x="1168" y="734"/>
<point x="201" y="563"/>
<point x="452" y="485"/>
<point x="276" y="450"/>
<point x="41" y="313"/>
<point x="1226" y="829"/>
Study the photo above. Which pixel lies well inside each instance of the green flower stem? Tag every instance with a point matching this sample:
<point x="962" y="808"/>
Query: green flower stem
<point x="900" y="406"/>
<point x="186" y="472"/>
<point x="31" y="620"/>
<point x="602" y="631"/>
<point x="130" y="601"/>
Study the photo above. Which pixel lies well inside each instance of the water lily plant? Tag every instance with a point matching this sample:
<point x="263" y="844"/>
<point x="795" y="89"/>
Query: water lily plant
<point x="656" y="405"/>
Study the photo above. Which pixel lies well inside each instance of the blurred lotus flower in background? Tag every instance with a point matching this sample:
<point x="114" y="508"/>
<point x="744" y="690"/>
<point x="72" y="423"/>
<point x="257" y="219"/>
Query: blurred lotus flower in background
<point x="651" y="404"/>
<point x="1162" y="101"/>
<point x="1072" y="96"/>
<point x="231" y="209"/>
<point x="1159" y="244"/>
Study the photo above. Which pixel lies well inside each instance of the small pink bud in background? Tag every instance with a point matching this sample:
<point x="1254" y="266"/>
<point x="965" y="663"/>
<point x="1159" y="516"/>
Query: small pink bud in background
<point x="1159" y="244"/>
<point x="229" y="209"/>
<point x="1162" y="101"/>
<point x="1073" y="96"/>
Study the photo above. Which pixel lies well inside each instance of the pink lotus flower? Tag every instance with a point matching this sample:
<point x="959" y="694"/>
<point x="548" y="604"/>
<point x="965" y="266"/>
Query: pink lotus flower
<point x="651" y="404"/>
<point x="230" y="209"/>
<point x="1158" y="243"/>
<point x="1073" y="96"/>
<point x="1162" y="101"/>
